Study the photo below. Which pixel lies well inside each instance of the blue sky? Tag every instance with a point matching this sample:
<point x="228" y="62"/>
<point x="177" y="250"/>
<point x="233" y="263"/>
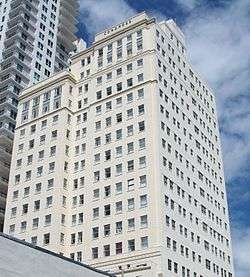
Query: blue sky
<point x="218" y="38"/>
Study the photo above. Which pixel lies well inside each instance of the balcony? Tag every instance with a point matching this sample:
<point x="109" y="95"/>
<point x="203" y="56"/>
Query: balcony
<point x="9" y="115"/>
<point x="9" y="91"/>
<point x="20" y="10"/>
<point x="6" y="136"/>
<point x="8" y="102"/>
<point x="70" y="4"/>
<point x="9" y="65"/>
<point x="18" y="28"/>
<point x="10" y="78"/>
<point x="66" y="36"/>
<point x="34" y="4"/>
<point x="5" y="154"/>
<point x="15" y="37"/>
<point x="3" y="199"/>
<point x="2" y="213"/>
<point x="67" y="19"/>
<point x="3" y="184"/>
<point x="11" y="49"/>
<point x="4" y="169"/>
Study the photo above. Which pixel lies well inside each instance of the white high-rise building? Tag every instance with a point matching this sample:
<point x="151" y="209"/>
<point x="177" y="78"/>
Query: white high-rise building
<point x="121" y="165"/>
<point x="36" y="37"/>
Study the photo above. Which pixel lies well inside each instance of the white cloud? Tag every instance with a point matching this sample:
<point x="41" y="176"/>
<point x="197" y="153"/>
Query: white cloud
<point x="219" y="43"/>
<point x="241" y="242"/>
<point x="188" y="4"/>
<point x="98" y="15"/>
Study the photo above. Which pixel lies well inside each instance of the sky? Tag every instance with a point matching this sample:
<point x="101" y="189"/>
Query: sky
<point x="218" y="45"/>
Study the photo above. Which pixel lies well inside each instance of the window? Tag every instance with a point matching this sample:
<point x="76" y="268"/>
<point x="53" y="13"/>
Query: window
<point x="95" y="212"/>
<point x="130" y="82"/>
<point x="142" y="162"/>
<point x="119" y="134"/>
<point x="34" y="240"/>
<point x="49" y="201"/>
<point x="144" y="221"/>
<point x="96" y="193"/>
<point x="130" y="165"/>
<point x="118" y="227"/>
<point x="119" y="101"/>
<point x="129" y="97"/>
<point x="131" y="245"/>
<point x="95" y="253"/>
<point x="106" y="230"/>
<point x="119" y="117"/>
<point x="106" y="250"/>
<point x="25" y="208"/>
<point x="107" y="191"/>
<point x="98" y="95"/>
<point x="131" y="204"/>
<point x="142" y="143"/>
<point x="47" y="219"/>
<point x="131" y="224"/>
<point x="108" y="172"/>
<point x="130" y="184"/>
<point x="23" y="226"/>
<point x="143" y="201"/>
<point x="118" y="187"/>
<point x="119" y="86"/>
<point x="118" y="207"/>
<point x="143" y="181"/>
<point x="141" y="109"/>
<point x="129" y="67"/>
<point x="118" y="248"/>
<point x="140" y="62"/>
<point x="37" y="205"/>
<point x="107" y="210"/>
<point x="46" y="238"/>
<point x="141" y="126"/>
<point x="95" y="232"/>
<point x="144" y="242"/>
<point x="118" y="168"/>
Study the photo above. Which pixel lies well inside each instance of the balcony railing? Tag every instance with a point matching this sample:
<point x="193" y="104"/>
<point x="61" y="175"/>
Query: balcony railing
<point x="4" y="180"/>
<point x="4" y="195"/>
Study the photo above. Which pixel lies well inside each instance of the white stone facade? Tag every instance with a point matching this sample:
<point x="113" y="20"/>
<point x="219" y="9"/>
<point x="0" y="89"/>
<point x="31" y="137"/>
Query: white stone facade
<point x="121" y="166"/>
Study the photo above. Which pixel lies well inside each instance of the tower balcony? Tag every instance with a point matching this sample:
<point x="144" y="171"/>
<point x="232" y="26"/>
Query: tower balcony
<point x="15" y="76"/>
<point x="34" y="4"/>
<point x="4" y="184"/>
<point x="68" y="19"/>
<point x="12" y="89"/>
<point x="70" y="4"/>
<point x="9" y="64"/>
<point x="6" y="115"/>
<point x="4" y="169"/>
<point x="21" y="10"/>
<point x="5" y="153"/>
<point x="21" y="20"/>
<point x="2" y="213"/>
<point x="65" y="32"/>
<point x="12" y="49"/>
<point x="6" y="136"/>
<point x="6" y="101"/>
<point x="3" y="197"/>
<point x="15" y="40"/>
<point x="17" y="28"/>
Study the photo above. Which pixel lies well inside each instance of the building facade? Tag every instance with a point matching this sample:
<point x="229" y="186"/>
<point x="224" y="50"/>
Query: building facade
<point x="121" y="165"/>
<point x="36" y="37"/>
